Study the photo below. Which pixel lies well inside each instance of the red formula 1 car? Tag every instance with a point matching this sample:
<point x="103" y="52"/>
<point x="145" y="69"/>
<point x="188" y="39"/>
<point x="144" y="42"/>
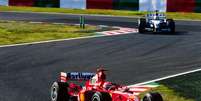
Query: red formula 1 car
<point x="95" y="89"/>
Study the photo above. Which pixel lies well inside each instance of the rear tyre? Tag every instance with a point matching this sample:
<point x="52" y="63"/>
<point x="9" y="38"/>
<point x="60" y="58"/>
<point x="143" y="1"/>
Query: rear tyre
<point x="101" y="96"/>
<point x="72" y="98"/>
<point x="141" y="25"/>
<point x="59" y="91"/>
<point x="154" y="96"/>
<point x="88" y="95"/>
<point x="171" y="25"/>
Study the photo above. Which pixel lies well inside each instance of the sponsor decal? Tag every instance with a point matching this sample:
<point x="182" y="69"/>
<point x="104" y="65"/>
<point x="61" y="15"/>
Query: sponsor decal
<point x="80" y="75"/>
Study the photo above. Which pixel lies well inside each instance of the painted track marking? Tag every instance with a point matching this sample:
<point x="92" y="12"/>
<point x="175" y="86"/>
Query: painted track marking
<point x="59" y="40"/>
<point x="120" y="31"/>
<point x="166" y="77"/>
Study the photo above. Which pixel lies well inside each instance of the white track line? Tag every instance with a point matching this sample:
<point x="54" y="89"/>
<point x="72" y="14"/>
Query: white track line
<point x="36" y="22"/>
<point x="59" y="23"/>
<point x="167" y="77"/>
<point x="40" y="42"/>
<point x="138" y="89"/>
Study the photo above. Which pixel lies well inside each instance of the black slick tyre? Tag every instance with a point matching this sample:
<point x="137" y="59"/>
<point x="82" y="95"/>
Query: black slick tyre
<point x="59" y="92"/>
<point x="171" y="25"/>
<point x="88" y="95"/>
<point x="142" y="25"/>
<point x="154" y="96"/>
<point x="101" y="96"/>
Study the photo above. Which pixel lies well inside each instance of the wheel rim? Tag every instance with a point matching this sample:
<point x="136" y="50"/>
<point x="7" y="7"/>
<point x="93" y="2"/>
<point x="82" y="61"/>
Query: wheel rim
<point x="54" y="94"/>
<point x="145" y="99"/>
<point x="95" y="99"/>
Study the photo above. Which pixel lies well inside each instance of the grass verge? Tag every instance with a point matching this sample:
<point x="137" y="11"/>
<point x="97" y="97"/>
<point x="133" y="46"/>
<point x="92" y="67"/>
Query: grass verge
<point x="181" y="88"/>
<point x="12" y="32"/>
<point x="175" y="15"/>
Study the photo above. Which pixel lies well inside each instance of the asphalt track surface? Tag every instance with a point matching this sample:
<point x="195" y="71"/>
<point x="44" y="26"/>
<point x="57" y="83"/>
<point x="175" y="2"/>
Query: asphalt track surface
<point x="27" y="72"/>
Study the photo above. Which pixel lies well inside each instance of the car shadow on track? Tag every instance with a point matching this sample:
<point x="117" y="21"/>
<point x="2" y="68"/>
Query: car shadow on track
<point x="172" y="34"/>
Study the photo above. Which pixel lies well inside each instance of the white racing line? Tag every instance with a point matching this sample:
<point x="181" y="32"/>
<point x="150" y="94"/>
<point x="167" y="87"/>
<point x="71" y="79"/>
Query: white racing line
<point x="59" y="40"/>
<point x="167" y="77"/>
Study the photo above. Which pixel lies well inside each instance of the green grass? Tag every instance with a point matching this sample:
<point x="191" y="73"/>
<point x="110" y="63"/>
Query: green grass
<point x="22" y="32"/>
<point x="170" y="94"/>
<point x="175" y="15"/>
<point x="181" y="88"/>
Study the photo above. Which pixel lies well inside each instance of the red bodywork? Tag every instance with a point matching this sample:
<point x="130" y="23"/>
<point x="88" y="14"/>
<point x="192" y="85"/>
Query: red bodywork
<point x="117" y="92"/>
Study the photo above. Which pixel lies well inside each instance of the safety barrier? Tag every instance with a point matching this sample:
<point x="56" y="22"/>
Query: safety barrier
<point x="78" y="4"/>
<point x="126" y="4"/>
<point x="184" y="6"/>
<point x="47" y="3"/>
<point x="99" y="4"/>
<point x="152" y="5"/>
<point x="4" y="2"/>
<point x="21" y="2"/>
<point x="141" y="5"/>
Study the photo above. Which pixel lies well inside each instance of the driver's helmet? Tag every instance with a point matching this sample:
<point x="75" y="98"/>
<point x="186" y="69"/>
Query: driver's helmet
<point x="101" y="74"/>
<point x="156" y="14"/>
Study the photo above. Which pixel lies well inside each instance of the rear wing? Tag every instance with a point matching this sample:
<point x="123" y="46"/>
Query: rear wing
<point x="152" y="15"/>
<point x="64" y="77"/>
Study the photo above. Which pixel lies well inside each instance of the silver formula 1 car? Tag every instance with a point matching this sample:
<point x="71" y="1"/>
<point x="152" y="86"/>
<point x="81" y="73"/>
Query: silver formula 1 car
<point x="156" y="22"/>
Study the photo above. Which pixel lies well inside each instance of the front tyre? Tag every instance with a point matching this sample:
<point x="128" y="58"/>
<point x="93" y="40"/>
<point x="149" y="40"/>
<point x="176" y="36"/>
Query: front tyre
<point x="154" y="96"/>
<point x="101" y="96"/>
<point x="171" y="25"/>
<point x="59" y="91"/>
<point x="142" y="25"/>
